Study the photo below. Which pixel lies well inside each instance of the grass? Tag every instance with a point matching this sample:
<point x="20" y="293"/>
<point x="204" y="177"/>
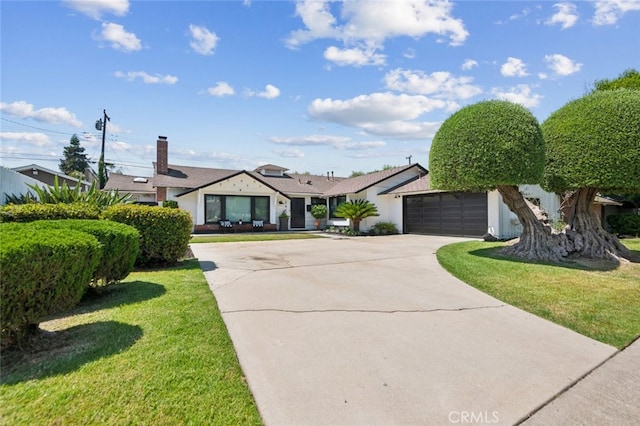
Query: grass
<point x="151" y="350"/>
<point x="602" y="303"/>
<point x="234" y="238"/>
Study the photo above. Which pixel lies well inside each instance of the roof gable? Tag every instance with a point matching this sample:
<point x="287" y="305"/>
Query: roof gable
<point x="361" y="183"/>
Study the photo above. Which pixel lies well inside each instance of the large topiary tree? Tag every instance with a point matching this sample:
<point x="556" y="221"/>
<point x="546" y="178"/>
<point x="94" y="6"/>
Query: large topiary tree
<point x="593" y="145"/>
<point x="496" y="145"/>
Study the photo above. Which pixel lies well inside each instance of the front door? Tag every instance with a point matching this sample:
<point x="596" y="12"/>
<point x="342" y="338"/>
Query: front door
<point x="297" y="213"/>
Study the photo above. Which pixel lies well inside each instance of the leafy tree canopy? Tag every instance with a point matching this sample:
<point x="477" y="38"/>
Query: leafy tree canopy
<point x="486" y="145"/>
<point x="630" y="79"/>
<point x="74" y="162"/>
<point x="594" y="142"/>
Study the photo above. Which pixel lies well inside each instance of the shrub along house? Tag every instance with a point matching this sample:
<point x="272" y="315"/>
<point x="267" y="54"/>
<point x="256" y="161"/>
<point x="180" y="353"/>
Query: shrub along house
<point x="401" y="194"/>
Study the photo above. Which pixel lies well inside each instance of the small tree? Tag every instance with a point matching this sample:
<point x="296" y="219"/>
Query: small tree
<point x="75" y="160"/>
<point x="593" y="145"/>
<point x="356" y="211"/>
<point x="496" y="145"/>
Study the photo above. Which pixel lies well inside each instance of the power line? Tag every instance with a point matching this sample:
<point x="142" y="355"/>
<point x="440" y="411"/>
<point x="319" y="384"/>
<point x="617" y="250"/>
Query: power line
<point x="37" y="128"/>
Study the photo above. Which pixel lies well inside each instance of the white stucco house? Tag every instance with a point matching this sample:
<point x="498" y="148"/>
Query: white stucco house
<point x="402" y="195"/>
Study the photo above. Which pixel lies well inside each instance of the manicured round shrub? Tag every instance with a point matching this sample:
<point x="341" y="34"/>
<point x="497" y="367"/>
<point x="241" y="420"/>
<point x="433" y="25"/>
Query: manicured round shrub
<point x="120" y="245"/>
<point x="486" y="145"/>
<point x="44" y="271"/>
<point x="594" y="142"/>
<point x="32" y="212"/>
<point x="164" y="233"/>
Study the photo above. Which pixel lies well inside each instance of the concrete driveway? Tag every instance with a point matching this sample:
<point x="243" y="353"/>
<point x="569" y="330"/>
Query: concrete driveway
<point x="372" y="331"/>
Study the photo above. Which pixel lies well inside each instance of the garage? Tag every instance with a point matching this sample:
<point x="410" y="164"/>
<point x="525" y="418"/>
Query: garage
<point x="446" y="213"/>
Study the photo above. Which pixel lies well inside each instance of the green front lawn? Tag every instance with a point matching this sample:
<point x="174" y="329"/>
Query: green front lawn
<point x="597" y="301"/>
<point x="153" y="350"/>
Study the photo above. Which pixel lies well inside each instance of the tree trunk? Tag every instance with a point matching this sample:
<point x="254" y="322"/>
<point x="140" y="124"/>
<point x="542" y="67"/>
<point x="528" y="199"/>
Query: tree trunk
<point x="585" y="234"/>
<point x="537" y="242"/>
<point x="356" y="224"/>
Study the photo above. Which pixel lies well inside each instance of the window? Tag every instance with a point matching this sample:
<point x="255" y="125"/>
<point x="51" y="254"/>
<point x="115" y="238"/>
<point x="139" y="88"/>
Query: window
<point x="334" y="202"/>
<point x="235" y="208"/>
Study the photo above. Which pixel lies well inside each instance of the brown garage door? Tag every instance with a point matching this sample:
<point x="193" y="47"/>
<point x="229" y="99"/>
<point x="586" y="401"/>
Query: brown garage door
<point x="446" y="213"/>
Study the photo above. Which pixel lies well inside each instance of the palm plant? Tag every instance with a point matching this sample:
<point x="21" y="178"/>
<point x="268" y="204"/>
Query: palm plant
<point x="356" y="211"/>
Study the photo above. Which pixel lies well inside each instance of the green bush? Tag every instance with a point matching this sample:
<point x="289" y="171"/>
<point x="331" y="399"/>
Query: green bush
<point x="120" y="245"/>
<point x="624" y="224"/>
<point x="172" y="204"/>
<point x="384" y="228"/>
<point x="32" y="212"/>
<point x="164" y="233"/>
<point x="43" y="272"/>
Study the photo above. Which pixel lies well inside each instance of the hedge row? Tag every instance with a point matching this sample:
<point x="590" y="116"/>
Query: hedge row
<point x="164" y="232"/>
<point x="33" y="212"/>
<point x="120" y="245"/>
<point x="624" y="224"/>
<point x="42" y="273"/>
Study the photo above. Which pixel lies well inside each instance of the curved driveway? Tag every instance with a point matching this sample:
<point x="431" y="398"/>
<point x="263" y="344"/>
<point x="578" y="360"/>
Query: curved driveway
<point x="372" y="331"/>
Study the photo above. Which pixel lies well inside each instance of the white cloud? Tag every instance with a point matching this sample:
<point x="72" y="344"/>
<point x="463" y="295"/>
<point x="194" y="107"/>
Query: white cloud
<point x="566" y="15"/>
<point x="146" y="77"/>
<point x="609" y="11"/>
<point x="520" y="94"/>
<point x="337" y="142"/>
<point x="369" y="24"/>
<point x="21" y="109"/>
<point x="95" y="8"/>
<point x="405" y="129"/>
<point x="410" y="53"/>
<point x="203" y="41"/>
<point x="514" y="67"/>
<point x="318" y="20"/>
<point x="37" y="139"/>
<point x="382" y="114"/>
<point x="270" y="92"/>
<point x="468" y="64"/>
<point x="561" y="65"/>
<point x="380" y="20"/>
<point x="310" y="140"/>
<point x="222" y="88"/>
<point x="119" y="38"/>
<point x="356" y="56"/>
<point x="440" y="84"/>
<point x="289" y="153"/>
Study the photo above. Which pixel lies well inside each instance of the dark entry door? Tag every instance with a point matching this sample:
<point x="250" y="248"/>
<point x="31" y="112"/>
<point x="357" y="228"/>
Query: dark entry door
<point x="446" y="213"/>
<point x="297" y="213"/>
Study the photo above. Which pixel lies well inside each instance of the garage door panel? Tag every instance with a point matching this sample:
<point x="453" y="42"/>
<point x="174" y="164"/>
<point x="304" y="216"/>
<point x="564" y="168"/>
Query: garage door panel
<point x="460" y="213"/>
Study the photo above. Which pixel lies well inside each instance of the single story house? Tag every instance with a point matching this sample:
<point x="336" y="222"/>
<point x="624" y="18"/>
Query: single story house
<point x="48" y="176"/>
<point x="401" y="194"/>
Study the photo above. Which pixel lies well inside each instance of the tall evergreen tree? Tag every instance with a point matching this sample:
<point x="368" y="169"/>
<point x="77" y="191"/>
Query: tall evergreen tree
<point x="75" y="160"/>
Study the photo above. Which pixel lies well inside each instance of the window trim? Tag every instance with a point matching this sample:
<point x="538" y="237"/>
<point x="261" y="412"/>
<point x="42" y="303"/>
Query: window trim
<point x="223" y="206"/>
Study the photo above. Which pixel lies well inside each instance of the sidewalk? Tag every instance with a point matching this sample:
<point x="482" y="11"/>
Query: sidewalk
<point x="609" y="395"/>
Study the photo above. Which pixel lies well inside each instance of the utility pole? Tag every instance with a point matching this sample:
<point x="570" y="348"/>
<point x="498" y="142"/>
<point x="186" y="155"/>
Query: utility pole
<point x="101" y="124"/>
<point x="409" y="158"/>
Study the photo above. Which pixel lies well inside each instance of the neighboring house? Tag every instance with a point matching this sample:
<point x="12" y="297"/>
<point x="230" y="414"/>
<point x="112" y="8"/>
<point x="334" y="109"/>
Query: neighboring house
<point x="141" y="189"/>
<point x="401" y="194"/>
<point x="47" y="176"/>
<point x="14" y="183"/>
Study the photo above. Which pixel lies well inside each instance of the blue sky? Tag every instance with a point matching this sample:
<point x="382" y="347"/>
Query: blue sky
<point x="312" y="86"/>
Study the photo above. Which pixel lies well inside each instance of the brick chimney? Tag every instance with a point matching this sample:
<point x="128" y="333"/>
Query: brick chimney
<point x="162" y="153"/>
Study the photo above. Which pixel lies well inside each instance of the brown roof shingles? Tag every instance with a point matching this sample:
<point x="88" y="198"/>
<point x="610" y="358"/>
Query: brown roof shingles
<point x="360" y="183"/>
<point x="125" y="183"/>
